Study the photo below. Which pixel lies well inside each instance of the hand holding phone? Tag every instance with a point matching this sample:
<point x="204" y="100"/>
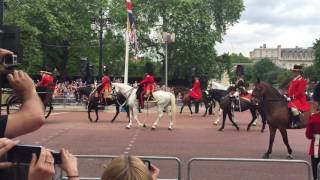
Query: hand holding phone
<point x="22" y="154"/>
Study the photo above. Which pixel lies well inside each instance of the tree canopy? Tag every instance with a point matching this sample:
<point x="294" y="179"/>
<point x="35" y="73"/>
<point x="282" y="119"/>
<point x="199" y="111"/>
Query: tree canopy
<point x="57" y="33"/>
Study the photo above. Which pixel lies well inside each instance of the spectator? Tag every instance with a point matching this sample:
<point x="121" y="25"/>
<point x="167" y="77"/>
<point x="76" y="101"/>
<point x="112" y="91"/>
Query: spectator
<point x="313" y="133"/>
<point x="129" y="168"/>
<point x="31" y="114"/>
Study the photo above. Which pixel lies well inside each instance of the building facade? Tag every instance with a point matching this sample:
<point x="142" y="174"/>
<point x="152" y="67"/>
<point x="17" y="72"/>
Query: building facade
<point x="284" y="57"/>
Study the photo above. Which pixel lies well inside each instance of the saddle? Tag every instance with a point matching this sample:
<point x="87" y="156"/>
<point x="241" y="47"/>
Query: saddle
<point x="149" y="97"/>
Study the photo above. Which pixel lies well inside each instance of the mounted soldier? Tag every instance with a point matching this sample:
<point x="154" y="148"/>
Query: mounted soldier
<point x="195" y="93"/>
<point x="297" y="101"/>
<point x="238" y="89"/>
<point x="45" y="85"/>
<point x="146" y="86"/>
<point x="105" y="91"/>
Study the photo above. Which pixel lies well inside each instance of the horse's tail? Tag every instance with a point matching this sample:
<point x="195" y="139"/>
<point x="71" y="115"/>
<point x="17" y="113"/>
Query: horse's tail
<point x="173" y="107"/>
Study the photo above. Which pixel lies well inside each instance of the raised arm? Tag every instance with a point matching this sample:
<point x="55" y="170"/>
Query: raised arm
<point x="31" y="115"/>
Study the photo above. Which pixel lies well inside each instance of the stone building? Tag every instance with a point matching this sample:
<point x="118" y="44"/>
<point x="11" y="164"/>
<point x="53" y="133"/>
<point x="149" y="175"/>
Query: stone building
<point x="285" y="57"/>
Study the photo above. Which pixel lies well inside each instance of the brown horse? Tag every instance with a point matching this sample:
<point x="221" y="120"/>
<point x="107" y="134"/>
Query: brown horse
<point x="275" y="109"/>
<point x="187" y="99"/>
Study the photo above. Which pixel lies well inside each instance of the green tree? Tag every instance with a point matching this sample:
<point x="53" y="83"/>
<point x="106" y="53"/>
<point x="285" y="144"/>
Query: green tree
<point x="316" y="48"/>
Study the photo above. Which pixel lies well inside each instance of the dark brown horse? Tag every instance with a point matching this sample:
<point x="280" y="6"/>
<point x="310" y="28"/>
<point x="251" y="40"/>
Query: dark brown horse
<point x="225" y="102"/>
<point x="275" y="109"/>
<point x="117" y="99"/>
<point x="187" y="100"/>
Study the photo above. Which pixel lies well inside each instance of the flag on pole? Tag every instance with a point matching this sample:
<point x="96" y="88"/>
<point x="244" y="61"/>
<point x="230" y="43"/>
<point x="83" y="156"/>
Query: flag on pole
<point x="132" y="33"/>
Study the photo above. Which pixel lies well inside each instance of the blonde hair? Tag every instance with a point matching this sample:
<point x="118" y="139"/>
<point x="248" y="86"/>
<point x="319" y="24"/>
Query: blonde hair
<point x="126" y="168"/>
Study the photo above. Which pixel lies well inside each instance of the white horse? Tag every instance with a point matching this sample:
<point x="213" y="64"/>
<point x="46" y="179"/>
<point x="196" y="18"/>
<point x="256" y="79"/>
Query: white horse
<point x="163" y="100"/>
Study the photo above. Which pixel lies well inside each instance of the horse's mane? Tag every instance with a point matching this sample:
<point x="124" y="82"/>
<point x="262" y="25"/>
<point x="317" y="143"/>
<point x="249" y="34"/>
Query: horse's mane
<point x="273" y="90"/>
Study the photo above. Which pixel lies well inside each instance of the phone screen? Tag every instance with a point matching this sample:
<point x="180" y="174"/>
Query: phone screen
<point x="23" y="153"/>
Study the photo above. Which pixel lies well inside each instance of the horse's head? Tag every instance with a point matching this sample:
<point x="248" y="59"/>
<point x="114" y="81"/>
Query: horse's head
<point x="121" y="88"/>
<point x="258" y="92"/>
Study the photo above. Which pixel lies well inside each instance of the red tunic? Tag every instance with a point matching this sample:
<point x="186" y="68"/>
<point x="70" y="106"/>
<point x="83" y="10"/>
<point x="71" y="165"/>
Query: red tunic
<point x="296" y="91"/>
<point x="195" y="91"/>
<point x="313" y="127"/>
<point x="105" y="83"/>
<point x="148" y="83"/>
<point x="46" y="81"/>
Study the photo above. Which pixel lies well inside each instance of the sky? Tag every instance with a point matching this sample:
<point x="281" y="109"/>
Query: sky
<point x="288" y="23"/>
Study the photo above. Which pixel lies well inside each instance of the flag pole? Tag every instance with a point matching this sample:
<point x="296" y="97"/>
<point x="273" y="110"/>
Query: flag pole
<point x="126" y="62"/>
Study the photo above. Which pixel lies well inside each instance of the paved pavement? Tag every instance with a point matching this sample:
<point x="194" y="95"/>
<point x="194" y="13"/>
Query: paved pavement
<point x="193" y="136"/>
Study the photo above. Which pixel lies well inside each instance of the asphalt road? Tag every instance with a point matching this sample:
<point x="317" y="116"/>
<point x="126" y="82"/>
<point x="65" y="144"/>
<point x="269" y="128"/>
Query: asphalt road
<point x="193" y="136"/>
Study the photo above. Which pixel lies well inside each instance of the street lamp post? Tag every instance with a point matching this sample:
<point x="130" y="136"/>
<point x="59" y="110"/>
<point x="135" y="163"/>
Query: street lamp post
<point x="167" y="38"/>
<point x="100" y="24"/>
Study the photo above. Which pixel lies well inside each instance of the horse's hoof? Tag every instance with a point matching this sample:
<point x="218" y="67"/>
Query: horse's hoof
<point x="112" y="121"/>
<point x="290" y="157"/>
<point x="153" y="128"/>
<point x="144" y="126"/>
<point x="127" y="127"/>
<point x="96" y="121"/>
<point x="170" y="129"/>
<point x="248" y="128"/>
<point x="220" y="129"/>
<point x="254" y="124"/>
<point x="266" y="156"/>
<point x="238" y="129"/>
<point x="215" y="123"/>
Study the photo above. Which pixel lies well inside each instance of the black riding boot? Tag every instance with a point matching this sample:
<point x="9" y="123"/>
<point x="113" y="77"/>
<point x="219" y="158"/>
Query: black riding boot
<point x="295" y="122"/>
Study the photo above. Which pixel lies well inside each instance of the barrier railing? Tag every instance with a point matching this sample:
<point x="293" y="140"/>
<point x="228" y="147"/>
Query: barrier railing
<point x="178" y="162"/>
<point x="249" y="160"/>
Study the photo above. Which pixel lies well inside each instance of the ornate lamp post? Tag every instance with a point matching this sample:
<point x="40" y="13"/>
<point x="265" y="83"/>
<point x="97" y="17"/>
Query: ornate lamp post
<point x="100" y="23"/>
<point x="167" y="38"/>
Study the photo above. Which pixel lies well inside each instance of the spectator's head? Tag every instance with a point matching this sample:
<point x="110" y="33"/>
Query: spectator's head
<point x="126" y="168"/>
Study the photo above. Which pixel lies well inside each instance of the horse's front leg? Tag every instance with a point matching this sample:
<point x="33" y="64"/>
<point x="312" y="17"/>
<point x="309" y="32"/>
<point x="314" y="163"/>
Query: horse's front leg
<point x="117" y="112"/>
<point x="218" y="117"/>
<point x="205" y="113"/>
<point x="223" y="120"/>
<point x="160" y="115"/>
<point x="271" y="140"/>
<point x="130" y="118"/>
<point x="230" y="118"/>
<point x="189" y="105"/>
<point x="254" y="117"/>
<point x="135" y="116"/>
<point x="284" y="135"/>
<point x="181" y="108"/>
<point x="89" y="111"/>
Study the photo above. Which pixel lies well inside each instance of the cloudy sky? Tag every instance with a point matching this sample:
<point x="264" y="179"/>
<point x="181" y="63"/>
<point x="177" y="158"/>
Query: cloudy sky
<point x="288" y="23"/>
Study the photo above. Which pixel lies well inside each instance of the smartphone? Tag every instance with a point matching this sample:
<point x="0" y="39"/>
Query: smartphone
<point x="22" y="154"/>
<point x="147" y="163"/>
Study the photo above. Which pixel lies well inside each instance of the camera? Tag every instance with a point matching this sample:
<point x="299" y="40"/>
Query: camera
<point x="10" y="40"/>
<point x="22" y="154"/>
<point x="7" y="64"/>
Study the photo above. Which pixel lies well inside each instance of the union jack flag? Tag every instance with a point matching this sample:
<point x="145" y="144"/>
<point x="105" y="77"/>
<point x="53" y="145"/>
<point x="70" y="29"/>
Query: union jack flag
<point x="132" y="33"/>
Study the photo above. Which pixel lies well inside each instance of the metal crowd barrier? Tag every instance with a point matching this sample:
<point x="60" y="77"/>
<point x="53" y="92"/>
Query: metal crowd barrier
<point x="178" y="161"/>
<point x="250" y="160"/>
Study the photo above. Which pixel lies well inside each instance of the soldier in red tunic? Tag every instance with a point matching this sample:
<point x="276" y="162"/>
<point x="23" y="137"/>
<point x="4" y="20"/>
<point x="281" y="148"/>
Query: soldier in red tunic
<point x="195" y="92"/>
<point x="46" y="84"/>
<point x="105" y="86"/>
<point x="313" y="133"/>
<point x="296" y="95"/>
<point x="147" y="84"/>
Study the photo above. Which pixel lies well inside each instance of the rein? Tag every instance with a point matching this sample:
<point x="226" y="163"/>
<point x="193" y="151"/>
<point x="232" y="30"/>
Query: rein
<point x="125" y="102"/>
